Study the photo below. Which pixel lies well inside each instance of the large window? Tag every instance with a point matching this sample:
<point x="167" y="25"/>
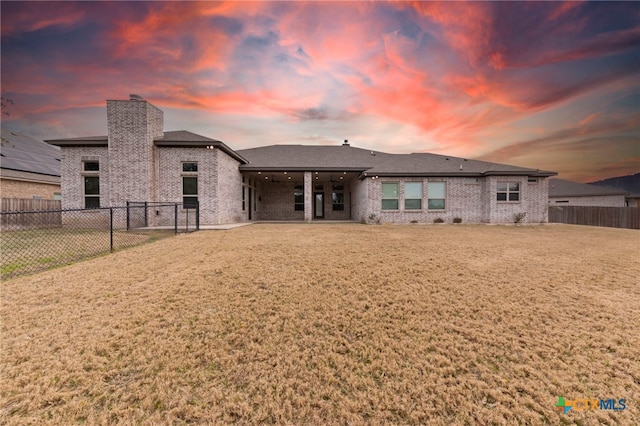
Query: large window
<point x="389" y="196"/>
<point x="413" y="195"/>
<point x="437" y="195"/>
<point x="91" y="184"/>
<point x="91" y="192"/>
<point x="189" y="184"/>
<point x="508" y="191"/>
<point x="337" y="197"/>
<point x="298" y="198"/>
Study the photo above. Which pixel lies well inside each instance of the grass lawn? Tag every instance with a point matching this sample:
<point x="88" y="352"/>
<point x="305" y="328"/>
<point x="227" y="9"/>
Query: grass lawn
<point x="29" y="251"/>
<point x="331" y="324"/>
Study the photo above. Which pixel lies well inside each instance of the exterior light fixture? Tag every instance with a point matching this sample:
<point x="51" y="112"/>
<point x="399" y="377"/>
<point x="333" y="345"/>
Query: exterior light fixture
<point x="285" y="173"/>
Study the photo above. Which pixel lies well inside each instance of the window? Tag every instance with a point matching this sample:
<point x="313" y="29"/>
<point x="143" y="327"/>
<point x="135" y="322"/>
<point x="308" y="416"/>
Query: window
<point x="91" y="166"/>
<point x="243" y="198"/>
<point x="57" y="196"/>
<point x="413" y="195"/>
<point x="337" y="197"/>
<point x="189" y="167"/>
<point x="91" y="184"/>
<point x="437" y="195"/>
<point x="508" y="191"/>
<point x="189" y="184"/>
<point x="91" y="192"/>
<point x="298" y="198"/>
<point x="389" y="196"/>
<point x="189" y="192"/>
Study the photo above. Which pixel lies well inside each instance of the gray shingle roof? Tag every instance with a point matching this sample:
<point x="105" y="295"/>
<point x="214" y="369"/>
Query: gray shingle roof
<point x="178" y="138"/>
<point x="23" y="153"/>
<point x="348" y="158"/>
<point x="566" y="188"/>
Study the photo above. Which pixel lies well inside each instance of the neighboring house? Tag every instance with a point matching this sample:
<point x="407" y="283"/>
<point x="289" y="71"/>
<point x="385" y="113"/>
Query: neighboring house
<point x="567" y="193"/>
<point x="29" y="168"/>
<point x="138" y="161"/>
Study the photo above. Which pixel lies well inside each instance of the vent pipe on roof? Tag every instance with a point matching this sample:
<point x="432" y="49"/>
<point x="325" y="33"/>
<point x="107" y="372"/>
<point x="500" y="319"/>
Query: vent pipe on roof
<point x="346" y="142"/>
<point x="133" y="97"/>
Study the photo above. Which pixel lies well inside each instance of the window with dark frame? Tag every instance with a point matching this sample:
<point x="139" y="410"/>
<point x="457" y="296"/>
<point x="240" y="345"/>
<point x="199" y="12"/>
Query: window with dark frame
<point x="190" y="167"/>
<point x="508" y="191"/>
<point x="298" y="198"/>
<point x="91" y="166"/>
<point x="189" y="184"/>
<point x="91" y="184"/>
<point x="91" y="192"/>
<point x="337" y="197"/>
<point x="189" y="192"/>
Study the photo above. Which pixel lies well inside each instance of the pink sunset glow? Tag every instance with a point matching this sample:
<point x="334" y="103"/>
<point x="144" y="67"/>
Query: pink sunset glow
<point x="537" y="84"/>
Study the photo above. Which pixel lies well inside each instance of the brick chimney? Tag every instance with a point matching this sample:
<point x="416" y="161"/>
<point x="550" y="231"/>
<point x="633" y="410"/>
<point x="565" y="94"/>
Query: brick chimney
<point x="132" y="126"/>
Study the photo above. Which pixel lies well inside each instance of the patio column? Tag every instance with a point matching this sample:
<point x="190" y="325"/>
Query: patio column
<point x="308" y="197"/>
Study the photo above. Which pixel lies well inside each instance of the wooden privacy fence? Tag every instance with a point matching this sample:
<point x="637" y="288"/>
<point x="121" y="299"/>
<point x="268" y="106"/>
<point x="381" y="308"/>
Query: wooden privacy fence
<point x="51" y="215"/>
<point x="615" y="217"/>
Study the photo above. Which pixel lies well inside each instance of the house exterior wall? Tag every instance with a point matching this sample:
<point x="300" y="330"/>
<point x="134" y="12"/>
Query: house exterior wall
<point x="170" y="178"/>
<point x="132" y="127"/>
<point x="229" y="189"/>
<point x="473" y="200"/>
<point x="72" y="180"/>
<point x="276" y="201"/>
<point x="594" y="201"/>
<point x="359" y="199"/>
<point x="533" y="200"/>
<point x="12" y="188"/>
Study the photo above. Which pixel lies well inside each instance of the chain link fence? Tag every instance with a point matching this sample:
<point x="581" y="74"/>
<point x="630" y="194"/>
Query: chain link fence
<point x="33" y="241"/>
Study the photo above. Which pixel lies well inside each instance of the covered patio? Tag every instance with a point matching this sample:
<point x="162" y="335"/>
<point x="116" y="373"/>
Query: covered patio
<point x="293" y="195"/>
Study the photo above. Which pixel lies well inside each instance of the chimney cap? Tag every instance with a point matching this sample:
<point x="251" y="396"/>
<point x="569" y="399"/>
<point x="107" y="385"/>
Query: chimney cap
<point x="133" y="97"/>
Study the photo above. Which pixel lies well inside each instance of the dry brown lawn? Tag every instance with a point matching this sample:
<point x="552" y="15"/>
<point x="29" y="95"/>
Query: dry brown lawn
<point x="331" y="324"/>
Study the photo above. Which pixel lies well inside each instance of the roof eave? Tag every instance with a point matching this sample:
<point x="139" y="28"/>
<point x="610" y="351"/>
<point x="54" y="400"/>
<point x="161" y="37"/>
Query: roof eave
<point x="532" y="173"/>
<point x="200" y="144"/>
<point x="63" y="143"/>
<point x="252" y="168"/>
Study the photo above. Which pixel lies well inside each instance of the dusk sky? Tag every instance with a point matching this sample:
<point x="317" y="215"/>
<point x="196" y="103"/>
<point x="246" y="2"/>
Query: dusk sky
<point x="547" y="85"/>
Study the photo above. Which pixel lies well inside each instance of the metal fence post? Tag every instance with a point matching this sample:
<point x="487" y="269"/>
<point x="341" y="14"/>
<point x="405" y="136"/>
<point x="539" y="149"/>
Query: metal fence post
<point x="175" y="218"/>
<point x="197" y="215"/>
<point x="146" y="214"/>
<point x="111" y="228"/>
<point x="128" y="218"/>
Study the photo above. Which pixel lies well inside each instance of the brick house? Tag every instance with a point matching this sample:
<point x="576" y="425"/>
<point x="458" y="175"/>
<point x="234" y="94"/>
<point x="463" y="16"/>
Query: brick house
<point x="567" y="193"/>
<point x="139" y="161"/>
